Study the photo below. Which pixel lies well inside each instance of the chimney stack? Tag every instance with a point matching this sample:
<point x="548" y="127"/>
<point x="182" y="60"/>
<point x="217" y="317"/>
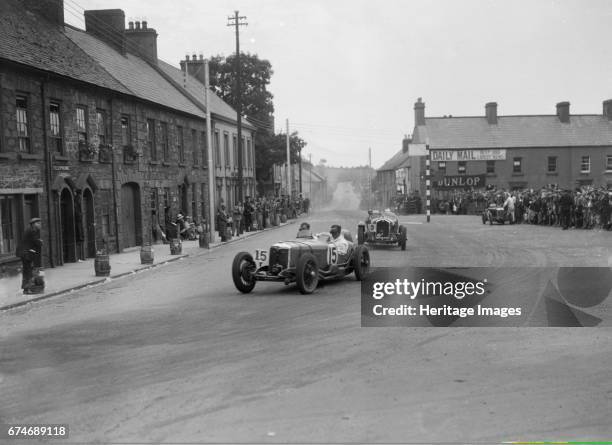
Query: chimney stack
<point x="607" y="109"/>
<point x="491" y="113"/>
<point x="563" y="112"/>
<point x="194" y="67"/>
<point x="419" y="112"/>
<point x="405" y="144"/>
<point x="142" y="41"/>
<point x="107" y="25"/>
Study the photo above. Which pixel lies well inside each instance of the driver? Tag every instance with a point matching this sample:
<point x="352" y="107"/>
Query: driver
<point x="338" y="239"/>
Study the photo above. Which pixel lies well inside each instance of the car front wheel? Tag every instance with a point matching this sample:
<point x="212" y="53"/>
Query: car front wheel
<point x="307" y="273"/>
<point x="242" y="269"/>
<point x="361" y="262"/>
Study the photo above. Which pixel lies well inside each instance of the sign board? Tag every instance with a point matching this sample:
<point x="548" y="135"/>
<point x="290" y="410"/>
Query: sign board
<point x="417" y="150"/>
<point x="469" y="155"/>
<point x="459" y="182"/>
<point x="61" y="168"/>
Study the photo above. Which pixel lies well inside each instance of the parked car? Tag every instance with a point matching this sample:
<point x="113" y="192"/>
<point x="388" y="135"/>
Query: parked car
<point x="304" y="261"/>
<point x="381" y="228"/>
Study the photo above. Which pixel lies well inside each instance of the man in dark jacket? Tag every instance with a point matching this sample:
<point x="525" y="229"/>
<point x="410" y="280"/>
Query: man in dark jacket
<point x="30" y="253"/>
<point x="565" y="207"/>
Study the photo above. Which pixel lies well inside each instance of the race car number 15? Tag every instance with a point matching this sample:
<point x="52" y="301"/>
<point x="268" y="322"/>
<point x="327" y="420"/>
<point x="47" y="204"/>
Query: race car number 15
<point x="332" y="254"/>
<point x="261" y="258"/>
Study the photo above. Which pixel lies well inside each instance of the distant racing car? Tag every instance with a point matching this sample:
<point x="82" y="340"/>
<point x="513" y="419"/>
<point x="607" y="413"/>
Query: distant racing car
<point x="304" y="261"/>
<point x="382" y="228"/>
<point x="495" y="213"/>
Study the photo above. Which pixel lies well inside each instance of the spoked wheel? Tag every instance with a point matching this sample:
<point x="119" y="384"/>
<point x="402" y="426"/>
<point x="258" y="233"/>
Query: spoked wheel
<point x="307" y="273"/>
<point x="242" y="272"/>
<point x="361" y="262"/>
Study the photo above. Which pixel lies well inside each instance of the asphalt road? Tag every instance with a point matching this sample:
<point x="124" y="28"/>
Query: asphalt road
<point x="178" y="355"/>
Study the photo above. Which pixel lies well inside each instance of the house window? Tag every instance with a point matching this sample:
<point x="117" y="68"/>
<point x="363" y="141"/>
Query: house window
<point x="164" y="140"/>
<point x="154" y="199"/>
<point x="217" y="150"/>
<point x="461" y="167"/>
<point x="609" y="162"/>
<point x="194" y="200"/>
<point x="101" y="126"/>
<point x="203" y="144"/>
<point x="226" y="151"/>
<point x="23" y="133"/>
<point x="552" y="164"/>
<point x="151" y="142"/>
<point x="517" y="165"/>
<point x="194" y="146"/>
<point x="585" y="164"/>
<point x="81" y="123"/>
<point x="249" y="153"/>
<point x="125" y="131"/>
<point x="235" y="150"/>
<point x="55" y="127"/>
<point x="166" y="198"/>
<point x="442" y="166"/>
<point x="490" y="166"/>
<point x="180" y="142"/>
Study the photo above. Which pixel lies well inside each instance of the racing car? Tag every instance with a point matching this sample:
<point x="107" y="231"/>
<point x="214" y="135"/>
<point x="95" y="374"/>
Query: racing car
<point x="495" y="213"/>
<point x="304" y="261"/>
<point x="382" y="228"/>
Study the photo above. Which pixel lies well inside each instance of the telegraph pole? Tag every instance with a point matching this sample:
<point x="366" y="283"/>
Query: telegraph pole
<point x="370" y="178"/>
<point x="288" y="163"/>
<point x="236" y="21"/>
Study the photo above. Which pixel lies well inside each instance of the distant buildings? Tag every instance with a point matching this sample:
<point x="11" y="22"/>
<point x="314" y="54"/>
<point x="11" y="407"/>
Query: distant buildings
<point x="99" y="137"/>
<point x="508" y="152"/>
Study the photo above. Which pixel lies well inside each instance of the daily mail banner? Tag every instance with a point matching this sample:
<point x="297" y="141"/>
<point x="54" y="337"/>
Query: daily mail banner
<point x="468" y="155"/>
<point x="460" y="182"/>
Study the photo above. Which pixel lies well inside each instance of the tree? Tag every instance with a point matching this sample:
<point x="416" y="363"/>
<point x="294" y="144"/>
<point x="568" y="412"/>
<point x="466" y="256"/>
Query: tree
<point x="276" y="152"/>
<point x="255" y="75"/>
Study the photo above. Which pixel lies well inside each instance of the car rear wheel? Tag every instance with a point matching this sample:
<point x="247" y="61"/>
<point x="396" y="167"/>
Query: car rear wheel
<point x="360" y="235"/>
<point x="242" y="269"/>
<point x="307" y="273"/>
<point x="361" y="262"/>
<point x="402" y="240"/>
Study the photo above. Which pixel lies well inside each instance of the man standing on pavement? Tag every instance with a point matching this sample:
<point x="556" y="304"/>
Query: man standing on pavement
<point x="30" y="253"/>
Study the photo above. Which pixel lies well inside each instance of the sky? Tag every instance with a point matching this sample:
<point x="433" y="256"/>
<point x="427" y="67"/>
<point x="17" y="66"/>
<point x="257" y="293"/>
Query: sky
<point x="348" y="72"/>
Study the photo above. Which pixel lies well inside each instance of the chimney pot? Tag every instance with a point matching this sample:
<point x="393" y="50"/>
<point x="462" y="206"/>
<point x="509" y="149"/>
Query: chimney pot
<point x="201" y="56"/>
<point x="563" y="112"/>
<point x="131" y="25"/>
<point x="137" y="25"/>
<point x="144" y="24"/>
<point x="187" y="57"/>
<point x="195" y="57"/>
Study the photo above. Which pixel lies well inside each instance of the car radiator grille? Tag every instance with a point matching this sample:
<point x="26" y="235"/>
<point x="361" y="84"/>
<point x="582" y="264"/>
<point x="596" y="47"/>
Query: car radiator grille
<point x="382" y="227"/>
<point x="278" y="256"/>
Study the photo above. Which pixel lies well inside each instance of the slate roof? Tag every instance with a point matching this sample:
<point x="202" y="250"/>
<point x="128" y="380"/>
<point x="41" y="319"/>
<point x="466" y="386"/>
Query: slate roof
<point x="28" y="39"/>
<point x="140" y="78"/>
<point x="514" y="132"/>
<point x="399" y="160"/>
<point x="194" y="87"/>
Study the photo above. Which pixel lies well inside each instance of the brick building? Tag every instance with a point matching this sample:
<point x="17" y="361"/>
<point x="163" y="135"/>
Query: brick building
<point x="513" y="152"/>
<point x="98" y="137"/>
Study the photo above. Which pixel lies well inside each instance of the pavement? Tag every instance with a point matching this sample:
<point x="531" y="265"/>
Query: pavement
<point x="74" y="276"/>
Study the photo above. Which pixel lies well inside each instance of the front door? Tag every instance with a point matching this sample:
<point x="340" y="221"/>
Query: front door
<point x="130" y="215"/>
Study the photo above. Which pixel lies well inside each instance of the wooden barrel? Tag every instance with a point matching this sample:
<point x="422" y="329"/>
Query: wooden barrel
<point x="276" y="219"/>
<point x="176" y="248"/>
<point x="102" y="265"/>
<point x="228" y="233"/>
<point x="146" y="254"/>
<point x="283" y="218"/>
<point x="204" y="240"/>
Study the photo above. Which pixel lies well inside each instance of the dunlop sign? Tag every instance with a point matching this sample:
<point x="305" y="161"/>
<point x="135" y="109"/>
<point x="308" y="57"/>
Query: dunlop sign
<point x="460" y="182"/>
<point x="468" y="155"/>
